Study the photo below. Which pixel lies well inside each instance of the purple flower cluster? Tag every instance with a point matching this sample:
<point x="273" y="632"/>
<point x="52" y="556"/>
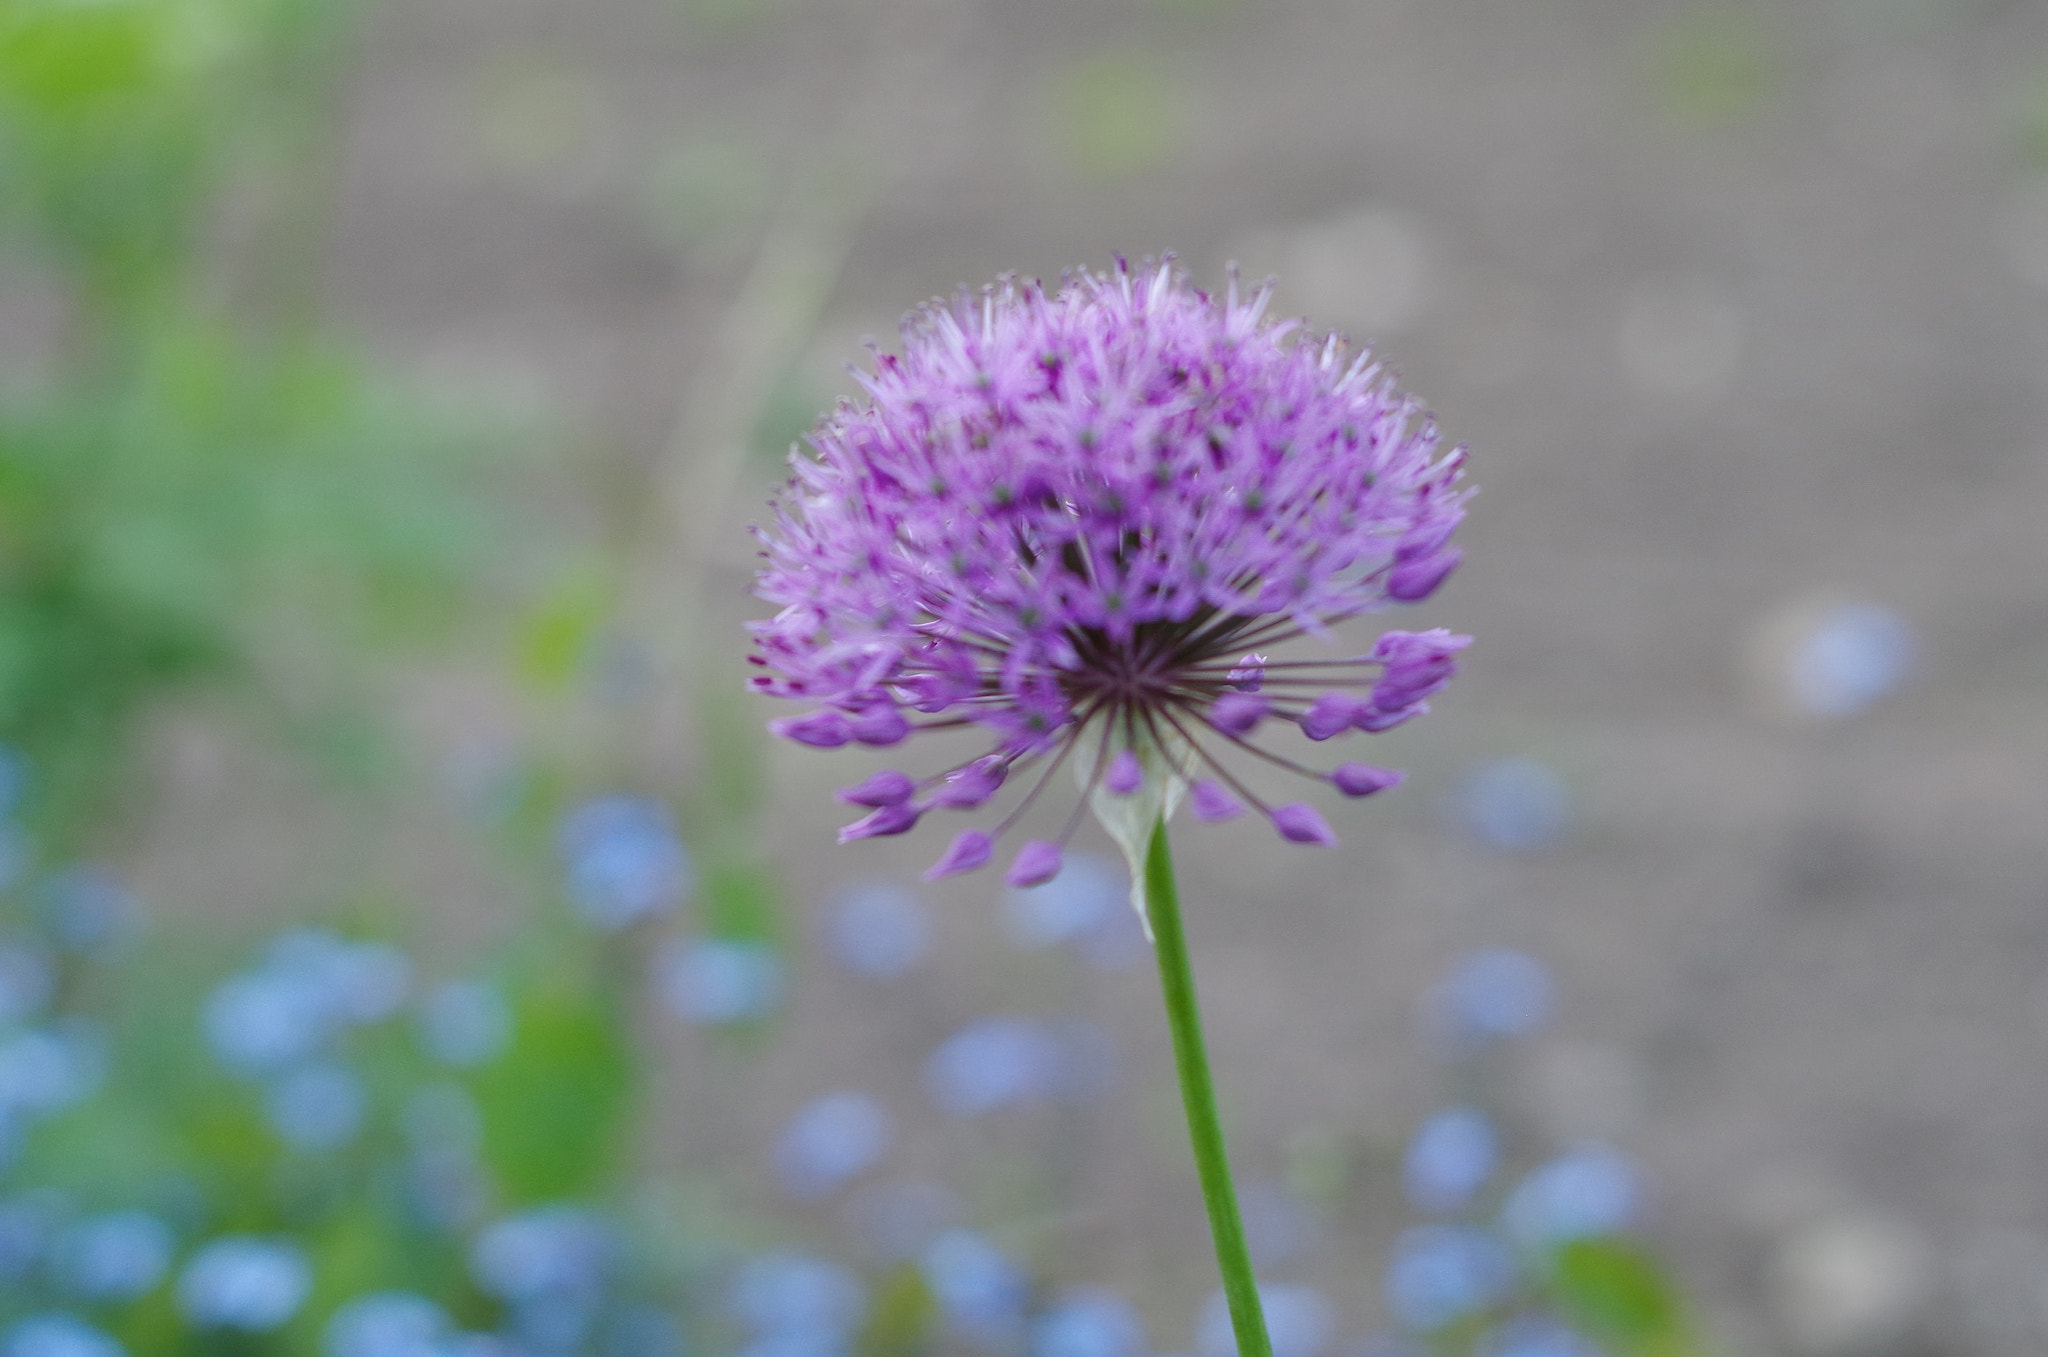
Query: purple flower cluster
<point x="1079" y="522"/>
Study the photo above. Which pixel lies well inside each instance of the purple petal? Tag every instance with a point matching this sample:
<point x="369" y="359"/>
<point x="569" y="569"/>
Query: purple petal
<point x="1249" y="674"/>
<point x="932" y="693"/>
<point x="1299" y="823"/>
<point x="1331" y="715"/>
<point x="879" y="822"/>
<point x="1374" y="721"/>
<point x="1362" y="779"/>
<point x="1418" y="665"/>
<point x="1400" y="692"/>
<point x="1400" y="649"/>
<point x="1426" y="539"/>
<point x="1413" y="581"/>
<point x="886" y="788"/>
<point x="818" y="729"/>
<point x="1212" y="805"/>
<point x="1125" y="775"/>
<point x="1037" y="862"/>
<point x="1237" y="713"/>
<point x="971" y="849"/>
<point x="880" y="725"/>
<point x="973" y="785"/>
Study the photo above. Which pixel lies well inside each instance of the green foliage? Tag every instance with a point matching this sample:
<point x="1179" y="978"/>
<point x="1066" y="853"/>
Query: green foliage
<point x="1620" y="1294"/>
<point x="735" y="759"/>
<point x="905" y="1318"/>
<point x="111" y="113"/>
<point x="195" y="492"/>
<point x="1118" y="114"/>
<point x="740" y="901"/>
<point x="166" y="525"/>
<point x="119" y="118"/>
<point x="1714" y="63"/>
<point x="557" y="638"/>
<point x="537" y="113"/>
<point x="556" y="1109"/>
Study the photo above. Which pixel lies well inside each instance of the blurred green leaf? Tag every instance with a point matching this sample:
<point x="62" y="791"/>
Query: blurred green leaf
<point x="353" y="1253"/>
<point x="1321" y="1166"/>
<point x="556" y="1105"/>
<point x="214" y="510"/>
<point x="536" y="111"/>
<point x="366" y="1246"/>
<point x="557" y="637"/>
<point x="741" y="900"/>
<point x="1622" y="1296"/>
<point x="120" y="119"/>
<point x="193" y="497"/>
<point x="735" y="782"/>
<point x="112" y="1148"/>
<point x="1714" y="63"/>
<point x="1118" y="113"/>
<point x="108" y="111"/>
<point x="901" y="1322"/>
<point x="152" y="1324"/>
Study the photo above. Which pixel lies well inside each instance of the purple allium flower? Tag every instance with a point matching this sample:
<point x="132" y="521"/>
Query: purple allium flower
<point x="1080" y="522"/>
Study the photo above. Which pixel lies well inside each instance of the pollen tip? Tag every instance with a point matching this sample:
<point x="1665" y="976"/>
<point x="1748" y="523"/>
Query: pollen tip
<point x="886" y="788"/>
<point x="818" y="729"/>
<point x="1299" y="822"/>
<point x="1331" y="716"/>
<point x="879" y="726"/>
<point x="1125" y="775"/>
<point x="1362" y="779"/>
<point x="1416" y="579"/>
<point x="971" y="848"/>
<point x="1211" y="804"/>
<point x="884" y="820"/>
<point x="1036" y="863"/>
<point x="1237" y="713"/>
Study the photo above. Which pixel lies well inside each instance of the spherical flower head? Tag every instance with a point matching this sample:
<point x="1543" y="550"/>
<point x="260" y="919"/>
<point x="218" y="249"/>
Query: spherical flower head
<point x="1080" y="522"/>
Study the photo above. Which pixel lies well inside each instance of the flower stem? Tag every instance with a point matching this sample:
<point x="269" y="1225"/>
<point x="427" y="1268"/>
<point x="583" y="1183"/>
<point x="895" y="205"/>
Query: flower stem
<point x="1198" y="1093"/>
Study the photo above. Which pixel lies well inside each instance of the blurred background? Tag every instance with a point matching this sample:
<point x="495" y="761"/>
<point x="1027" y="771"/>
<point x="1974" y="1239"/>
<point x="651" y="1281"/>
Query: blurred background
<point x="413" y="948"/>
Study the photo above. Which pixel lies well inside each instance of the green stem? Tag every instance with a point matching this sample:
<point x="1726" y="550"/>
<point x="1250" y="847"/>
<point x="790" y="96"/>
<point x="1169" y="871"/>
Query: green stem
<point x="1198" y="1093"/>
